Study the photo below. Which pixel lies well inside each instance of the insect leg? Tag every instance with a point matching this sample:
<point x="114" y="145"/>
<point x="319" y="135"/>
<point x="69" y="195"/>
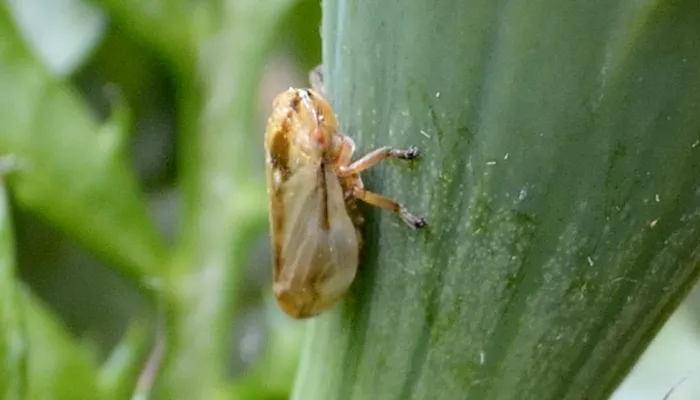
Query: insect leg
<point x="376" y="156"/>
<point x="316" y="79"/>
<point x="390" y="205"/>
<point x="347" y="149"/>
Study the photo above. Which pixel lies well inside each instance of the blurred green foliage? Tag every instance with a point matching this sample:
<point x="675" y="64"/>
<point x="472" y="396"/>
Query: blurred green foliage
<point x="119" y="118"/>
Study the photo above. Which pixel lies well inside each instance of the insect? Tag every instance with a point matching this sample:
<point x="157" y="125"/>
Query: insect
<point x="312" y="187"/>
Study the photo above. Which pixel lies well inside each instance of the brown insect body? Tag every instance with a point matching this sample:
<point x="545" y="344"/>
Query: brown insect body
<point x="315" y="242"/>
<point x="312" y="189"/>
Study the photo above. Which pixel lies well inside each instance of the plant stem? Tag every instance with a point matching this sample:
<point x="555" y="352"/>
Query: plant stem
<point x="224" y="198"/>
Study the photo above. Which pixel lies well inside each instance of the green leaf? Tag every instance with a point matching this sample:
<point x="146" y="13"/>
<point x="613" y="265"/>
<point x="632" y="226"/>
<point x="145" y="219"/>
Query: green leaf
<point x="119" y="375"/>
<point x="61" y="32"/>
<point x="69" y="169"/>
<point x="300" y="32"/>
<point x="38" y="358"/>
<point x="167" y="26"/>
<point x="559" y="176"/>
<point x="272" y="374"/>
<point x="56" y="368"/>
<point x="12" y="348"/>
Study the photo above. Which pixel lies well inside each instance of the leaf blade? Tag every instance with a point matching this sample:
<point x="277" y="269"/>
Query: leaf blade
<point x="68" y="166"/>
<point x="556" y="139"/>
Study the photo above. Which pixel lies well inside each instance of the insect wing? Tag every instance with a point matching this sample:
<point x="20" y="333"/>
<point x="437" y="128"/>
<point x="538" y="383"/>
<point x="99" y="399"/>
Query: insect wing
<point x="318" y="245"/>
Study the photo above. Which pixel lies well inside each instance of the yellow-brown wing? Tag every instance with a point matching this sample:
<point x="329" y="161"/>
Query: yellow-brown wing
<point x="315" y="243"/>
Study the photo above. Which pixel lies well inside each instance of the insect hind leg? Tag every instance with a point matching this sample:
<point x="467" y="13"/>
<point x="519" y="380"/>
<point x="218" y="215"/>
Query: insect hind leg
<point x="390" y="205"/>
